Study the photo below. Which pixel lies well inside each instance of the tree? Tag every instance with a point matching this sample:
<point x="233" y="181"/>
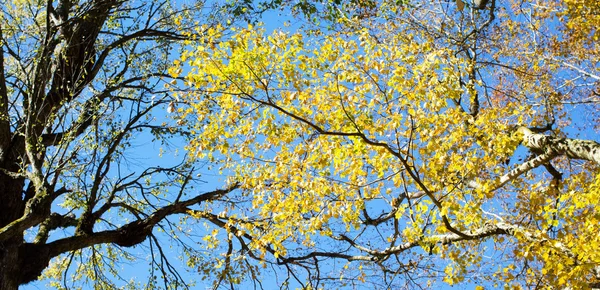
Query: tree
<point x="81" y="83"/>
<point x="421" y="143"/>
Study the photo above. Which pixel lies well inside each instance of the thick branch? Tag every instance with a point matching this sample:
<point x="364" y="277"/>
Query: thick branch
<point x="35" y="257"/>
<point x="516" y="172"/>
<point x="572" y="148"/>
<point x="53" y="222"/>
<point x="551" y="148"/>
<point x="36" y="210"/>
<point x="135" y="232"/>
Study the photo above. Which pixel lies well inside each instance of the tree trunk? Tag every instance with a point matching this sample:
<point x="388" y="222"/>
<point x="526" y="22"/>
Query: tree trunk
<point x="9" y="264"/>
<point x="11" y="208"/>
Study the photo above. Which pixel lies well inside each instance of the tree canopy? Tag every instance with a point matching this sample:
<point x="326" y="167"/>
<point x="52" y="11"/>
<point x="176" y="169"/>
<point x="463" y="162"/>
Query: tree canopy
<point x="81" y="83"/>
<point x="413" y="144"/>
<point x="386" y="144"/>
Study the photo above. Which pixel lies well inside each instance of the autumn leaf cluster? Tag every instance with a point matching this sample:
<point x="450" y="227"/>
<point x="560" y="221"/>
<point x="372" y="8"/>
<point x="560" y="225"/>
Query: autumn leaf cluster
<point x="390" y="140"/>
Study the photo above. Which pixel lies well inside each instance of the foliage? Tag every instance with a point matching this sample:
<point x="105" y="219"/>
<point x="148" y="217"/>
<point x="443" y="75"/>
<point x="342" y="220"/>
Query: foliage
<point x="318" y="11"/>
<point x="82" y="94"/>
<point x="403" y="148"/>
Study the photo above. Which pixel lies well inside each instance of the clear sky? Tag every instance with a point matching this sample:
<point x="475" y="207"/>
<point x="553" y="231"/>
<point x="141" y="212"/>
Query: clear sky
<point x="144" y="152"/>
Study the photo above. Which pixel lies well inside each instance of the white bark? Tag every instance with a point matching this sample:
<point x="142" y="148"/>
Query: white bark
<point x="572" y="148"/>
<point x="549" y="147"/>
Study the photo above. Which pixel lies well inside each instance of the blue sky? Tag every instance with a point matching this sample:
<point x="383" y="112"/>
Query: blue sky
<point x="144" y="153"/>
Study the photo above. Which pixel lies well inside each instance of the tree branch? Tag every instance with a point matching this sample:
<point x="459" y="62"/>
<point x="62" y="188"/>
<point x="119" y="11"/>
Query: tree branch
<point x="410" y="170"/>
<point x="516" y="172"/>
<point x="4" y="118"/>
<point x="572" y="148"/>
<point x="37" y="256"/>
<point x="86" y="221"/>
<point x="53" y="222"/>
<point x="551" y="147"/>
